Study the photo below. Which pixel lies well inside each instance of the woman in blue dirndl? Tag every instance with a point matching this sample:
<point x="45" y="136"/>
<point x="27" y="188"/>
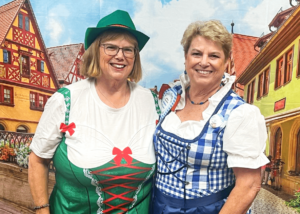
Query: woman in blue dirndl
<point x="209" y="143"/>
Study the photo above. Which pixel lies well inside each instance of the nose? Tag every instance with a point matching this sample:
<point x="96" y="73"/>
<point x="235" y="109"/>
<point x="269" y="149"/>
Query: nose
<point x="204" y="61"/>
<point x="120" y="54"/>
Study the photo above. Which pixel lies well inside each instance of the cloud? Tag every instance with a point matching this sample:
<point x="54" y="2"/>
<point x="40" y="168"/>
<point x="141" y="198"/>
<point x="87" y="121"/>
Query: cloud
<point x="259" y="17"/>
<point x="55" y="28"/>
<point x="165" y="24"/>
<point x="229" y="4"/>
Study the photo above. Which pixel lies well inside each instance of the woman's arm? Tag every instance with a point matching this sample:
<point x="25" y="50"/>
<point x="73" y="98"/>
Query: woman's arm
<point x="247" y="186"/>
<point x="38" y="181"/>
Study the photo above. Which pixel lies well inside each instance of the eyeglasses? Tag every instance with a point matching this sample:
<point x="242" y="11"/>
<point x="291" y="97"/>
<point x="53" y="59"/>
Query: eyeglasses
<point x="112" y="50"/>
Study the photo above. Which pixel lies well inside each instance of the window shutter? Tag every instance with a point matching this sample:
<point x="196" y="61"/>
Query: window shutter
<point x="38" y="65"/>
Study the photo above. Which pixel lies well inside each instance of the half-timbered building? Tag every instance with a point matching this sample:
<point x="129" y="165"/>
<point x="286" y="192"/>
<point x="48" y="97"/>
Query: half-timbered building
<point x="66" y="61"/>
<point x="27" y="79"/>
<point x="272" y="83"/>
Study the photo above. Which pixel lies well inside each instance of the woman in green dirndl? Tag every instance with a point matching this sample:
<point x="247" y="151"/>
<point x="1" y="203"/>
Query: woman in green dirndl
<point x="99" y="131"/>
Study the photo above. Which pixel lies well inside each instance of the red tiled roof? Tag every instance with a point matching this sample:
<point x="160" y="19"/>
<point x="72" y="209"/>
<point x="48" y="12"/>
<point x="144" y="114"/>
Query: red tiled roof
<point x="63" y="58"/>
<point x="243" y="52"/>
<point x="8" y="13"/>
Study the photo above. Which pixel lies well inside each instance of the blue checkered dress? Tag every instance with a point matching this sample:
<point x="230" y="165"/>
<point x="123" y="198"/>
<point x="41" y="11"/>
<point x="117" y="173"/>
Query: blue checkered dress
<point x="189" y="169"/>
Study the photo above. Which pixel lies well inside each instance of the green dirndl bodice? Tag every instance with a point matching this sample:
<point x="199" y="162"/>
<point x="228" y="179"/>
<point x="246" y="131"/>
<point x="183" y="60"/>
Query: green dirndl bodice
<point x="123" y="185"/>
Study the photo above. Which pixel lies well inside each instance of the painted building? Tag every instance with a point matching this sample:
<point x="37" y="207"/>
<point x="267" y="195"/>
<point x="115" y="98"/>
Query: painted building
<point x="242" y="54"/>
<point x="27" y="79"/>
<point x="66" y="61"/>
<point x="272" y="83"/>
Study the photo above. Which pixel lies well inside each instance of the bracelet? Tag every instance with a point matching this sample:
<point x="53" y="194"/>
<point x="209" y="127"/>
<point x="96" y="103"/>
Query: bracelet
<point x="42" y="206"/>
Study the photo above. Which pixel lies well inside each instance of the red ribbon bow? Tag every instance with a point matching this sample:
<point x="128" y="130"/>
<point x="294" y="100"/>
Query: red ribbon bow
<point x="70" y="128"/>
<point x="122" y="154"/>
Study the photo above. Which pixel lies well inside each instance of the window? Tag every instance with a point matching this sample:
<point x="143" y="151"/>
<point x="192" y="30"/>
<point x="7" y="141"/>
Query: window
<point x="25" y="66"/>
<point x="289" y="67"/>
<point x="6" y="95"/>
<point x="21" y="20"/>
<point x="41" y="101"/>
<point x="40" y="66"/>
<point x="284" y="69"/>
<point x="32" y="100"/>
<point x="263" y="83"/>
<point x="22" y="129"/>
<point x="250" y="95"/>
<point x="279" y="73"/>
<point x="6" y="56"/>
<point x="38" y="101"/>
<point x="26" y="23"/>
<point x="2" y="128"/>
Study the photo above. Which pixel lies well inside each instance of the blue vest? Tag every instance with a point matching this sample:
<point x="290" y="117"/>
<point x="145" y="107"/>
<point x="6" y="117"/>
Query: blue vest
<point x="194" y="168"/>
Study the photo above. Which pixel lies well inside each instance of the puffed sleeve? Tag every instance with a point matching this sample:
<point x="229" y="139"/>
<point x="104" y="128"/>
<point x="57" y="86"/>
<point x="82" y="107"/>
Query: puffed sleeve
<point x="48" y="135"/>
<point x="245" y="137"/>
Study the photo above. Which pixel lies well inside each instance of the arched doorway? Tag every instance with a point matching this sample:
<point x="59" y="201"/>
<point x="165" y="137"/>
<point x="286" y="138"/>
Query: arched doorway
<point x="277" y="144"/>
<point x="22" y="129"/>
<point x="298" y="153"/>
<point x="2" y="128"/>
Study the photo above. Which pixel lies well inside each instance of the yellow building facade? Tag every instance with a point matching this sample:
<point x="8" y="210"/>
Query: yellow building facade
<point x="27" y="78"/>
<point x="272" y="83"/>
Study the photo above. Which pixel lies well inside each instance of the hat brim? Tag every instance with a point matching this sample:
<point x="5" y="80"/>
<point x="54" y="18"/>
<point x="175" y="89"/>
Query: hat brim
<point x="93" y="32"/>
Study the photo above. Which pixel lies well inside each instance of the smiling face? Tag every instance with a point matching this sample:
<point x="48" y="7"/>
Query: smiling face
<point x="118" y="67"/>
<point x="205" y="62"/>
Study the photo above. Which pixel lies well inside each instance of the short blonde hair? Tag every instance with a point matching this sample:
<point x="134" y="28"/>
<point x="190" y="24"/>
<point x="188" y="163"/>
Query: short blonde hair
<point x="90" y="66"/>
<point x="213" y="30"/>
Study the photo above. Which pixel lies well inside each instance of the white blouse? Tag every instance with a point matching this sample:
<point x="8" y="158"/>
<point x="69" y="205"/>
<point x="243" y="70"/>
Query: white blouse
<point x="99" y="128"/>
<point x="245" y="135"/>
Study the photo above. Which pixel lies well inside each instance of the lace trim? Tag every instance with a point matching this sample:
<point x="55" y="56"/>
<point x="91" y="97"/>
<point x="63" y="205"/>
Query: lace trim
<point x="88" y="174"/>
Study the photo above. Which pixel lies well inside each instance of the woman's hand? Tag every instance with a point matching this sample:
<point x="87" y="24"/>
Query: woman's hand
<point x="38" y="181"/>
<point x="247" y="185"/>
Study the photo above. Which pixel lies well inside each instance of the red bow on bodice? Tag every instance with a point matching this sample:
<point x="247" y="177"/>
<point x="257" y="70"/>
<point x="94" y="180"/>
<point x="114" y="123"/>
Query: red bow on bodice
<point x="122" y="154"/>
<point x="70" y="128"/>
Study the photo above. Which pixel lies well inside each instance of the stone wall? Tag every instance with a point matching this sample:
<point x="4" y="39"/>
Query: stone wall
<point x="14" y="185"/>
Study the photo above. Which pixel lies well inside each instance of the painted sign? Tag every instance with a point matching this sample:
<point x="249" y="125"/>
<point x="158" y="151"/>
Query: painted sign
<point x="280" y="104"/>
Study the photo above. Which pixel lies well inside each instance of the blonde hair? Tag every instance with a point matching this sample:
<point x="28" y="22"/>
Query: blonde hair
<point x="90" y="66"/>
<point x="213" y="30"/>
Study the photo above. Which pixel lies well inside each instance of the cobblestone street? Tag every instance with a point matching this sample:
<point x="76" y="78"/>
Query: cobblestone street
<point x="268" y="203"/>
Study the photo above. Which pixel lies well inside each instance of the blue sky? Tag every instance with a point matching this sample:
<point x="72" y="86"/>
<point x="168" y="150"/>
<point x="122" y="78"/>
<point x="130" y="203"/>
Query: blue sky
<point x="65" y="22"/>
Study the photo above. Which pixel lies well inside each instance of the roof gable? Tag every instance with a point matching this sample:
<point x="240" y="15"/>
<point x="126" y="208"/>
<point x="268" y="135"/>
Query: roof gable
<point x="63" y="58"/>
<point x="243" y="52"/>
<point x="8" y="13"/>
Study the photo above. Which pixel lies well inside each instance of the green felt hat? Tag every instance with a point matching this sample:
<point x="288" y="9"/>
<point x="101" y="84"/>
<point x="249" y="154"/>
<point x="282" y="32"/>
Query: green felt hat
<point x="119" y="20"/>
